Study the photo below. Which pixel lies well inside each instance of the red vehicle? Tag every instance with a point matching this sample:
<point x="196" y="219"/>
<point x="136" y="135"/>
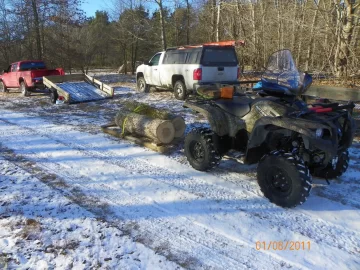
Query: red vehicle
<point x="26" y="75"/>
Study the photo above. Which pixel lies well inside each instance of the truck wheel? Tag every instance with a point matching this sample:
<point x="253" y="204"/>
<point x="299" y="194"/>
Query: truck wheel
<point x="142" y="86"/>
<point x="180" y="90"/>
<point x="3" y="88"/>
<point x="53" y="96"/>
<point x="24" y="89"/>
<point x="200" y="149"/>
<point x="341" y="166"/>
<point x="284" y="179"/>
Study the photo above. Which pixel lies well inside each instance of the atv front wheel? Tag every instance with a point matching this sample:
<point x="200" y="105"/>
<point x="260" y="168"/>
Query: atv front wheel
<point x="341" y="166"/>
<point x="284" y="179"/>
<point x="200" y="150"/>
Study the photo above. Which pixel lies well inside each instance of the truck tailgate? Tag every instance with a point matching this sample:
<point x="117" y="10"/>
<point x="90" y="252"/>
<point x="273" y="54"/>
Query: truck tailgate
<point x="47" y="72"/>
<point x="219" y="74"/>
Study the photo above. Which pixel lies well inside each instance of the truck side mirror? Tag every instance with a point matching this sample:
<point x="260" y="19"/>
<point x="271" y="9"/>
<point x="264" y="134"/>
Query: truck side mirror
<point x="149" y="64"/>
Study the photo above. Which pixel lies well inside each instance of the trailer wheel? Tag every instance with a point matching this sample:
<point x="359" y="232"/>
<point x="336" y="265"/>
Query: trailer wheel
<point x="24" y="89"/>
<point x="142" y="86"/>
<point x="284" y="179"/>
<point x="53" y="96"/>
<point x="3" y="88"/>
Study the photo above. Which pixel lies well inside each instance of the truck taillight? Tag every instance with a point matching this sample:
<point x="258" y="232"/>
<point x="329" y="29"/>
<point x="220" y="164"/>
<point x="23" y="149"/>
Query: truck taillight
<point x="197" y="75"/>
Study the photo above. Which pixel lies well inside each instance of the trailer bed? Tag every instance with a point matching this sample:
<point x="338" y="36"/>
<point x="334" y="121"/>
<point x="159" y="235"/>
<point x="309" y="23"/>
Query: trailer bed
<point x="76" y="88"/>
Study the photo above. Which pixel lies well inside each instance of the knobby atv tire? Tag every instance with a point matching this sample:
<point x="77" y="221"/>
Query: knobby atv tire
<point x="142" y="86"/>
<point x="284" y="179"/>
<point x="199" y="142"/>
<point x="341" y="166"/>
<point x="180" y="90"/>
<point x="3" y="88"/>
<point x="24" y="89"/>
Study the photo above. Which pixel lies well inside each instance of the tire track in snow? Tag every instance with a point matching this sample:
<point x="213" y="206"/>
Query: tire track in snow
<point x="218" y="251"/>
<point x="204" y="189"/>
<point x="277" y="217"/>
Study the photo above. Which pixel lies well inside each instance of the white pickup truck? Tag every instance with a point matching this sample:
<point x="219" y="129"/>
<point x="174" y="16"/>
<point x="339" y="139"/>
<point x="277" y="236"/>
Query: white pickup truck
<point x="184" y="69"/>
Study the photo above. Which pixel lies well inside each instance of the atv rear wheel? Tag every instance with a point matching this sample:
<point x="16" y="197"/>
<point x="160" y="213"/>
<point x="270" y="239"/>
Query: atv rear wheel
<point x="200" y="150"/>
<point x="341" y="166"/>
<point x="284" y="179"/>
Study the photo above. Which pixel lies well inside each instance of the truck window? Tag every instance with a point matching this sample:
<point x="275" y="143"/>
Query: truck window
<point x="155" y="60"/>
<point x="14" y="67"/>
<point x="32" y="66"/>
<point x="219" y="57"/>
<point x="175" y="57"/>
<point x="193" y="57"/>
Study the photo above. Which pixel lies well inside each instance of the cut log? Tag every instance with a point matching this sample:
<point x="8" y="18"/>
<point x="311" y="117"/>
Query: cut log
<point x="158" y="130"/>
<point x="144" y="109"/>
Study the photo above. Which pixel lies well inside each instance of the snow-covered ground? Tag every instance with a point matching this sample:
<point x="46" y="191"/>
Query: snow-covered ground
<point x="74" y="197"/>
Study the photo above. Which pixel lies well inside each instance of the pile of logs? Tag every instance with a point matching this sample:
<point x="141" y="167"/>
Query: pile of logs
<point x="158" y="125"/>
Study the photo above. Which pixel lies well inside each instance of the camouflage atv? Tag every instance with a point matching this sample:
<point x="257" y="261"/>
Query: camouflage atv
<point x="275" y="128"/>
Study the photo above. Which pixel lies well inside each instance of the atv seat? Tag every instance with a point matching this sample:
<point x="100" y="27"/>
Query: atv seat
<point x="237" y="106"/>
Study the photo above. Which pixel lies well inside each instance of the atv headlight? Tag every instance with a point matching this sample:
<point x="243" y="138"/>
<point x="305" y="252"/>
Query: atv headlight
<point x="319" y="132"/>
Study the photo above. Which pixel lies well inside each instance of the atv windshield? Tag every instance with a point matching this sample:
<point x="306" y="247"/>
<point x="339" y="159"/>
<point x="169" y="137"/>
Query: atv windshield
<point x="282" y="75"/>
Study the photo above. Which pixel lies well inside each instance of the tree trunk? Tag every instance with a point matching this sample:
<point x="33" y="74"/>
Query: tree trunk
<point x="279" y="30"/>
<point x="144" y="109"/>
<point x="162" y="24"/>
<point x="218" y="20"/>
<point x="37" y="28"/>
<point x="300" y="31"/>
<point x="263" y="20"/>
<point x="160" y="131"/>
<point x="187" y="22"/>
<point x="213" y="20"/>
<point x="311" y="45"/>
<point x="294" y="27"/>
<point x="345" y="32"/>
<point x="254" y="43"/>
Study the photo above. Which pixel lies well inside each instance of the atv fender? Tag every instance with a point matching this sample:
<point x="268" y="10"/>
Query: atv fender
<point x="220" y="122"/>
<point x="306" y="129"/>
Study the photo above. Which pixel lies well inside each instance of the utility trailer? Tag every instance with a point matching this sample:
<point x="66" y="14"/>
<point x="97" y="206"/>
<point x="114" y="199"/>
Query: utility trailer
<point x="76" y="88"/>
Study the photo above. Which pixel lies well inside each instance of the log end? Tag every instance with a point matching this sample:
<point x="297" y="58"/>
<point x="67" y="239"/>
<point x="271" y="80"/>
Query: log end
<point x="179" y="126"/>
<point x="165" y="132"/>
